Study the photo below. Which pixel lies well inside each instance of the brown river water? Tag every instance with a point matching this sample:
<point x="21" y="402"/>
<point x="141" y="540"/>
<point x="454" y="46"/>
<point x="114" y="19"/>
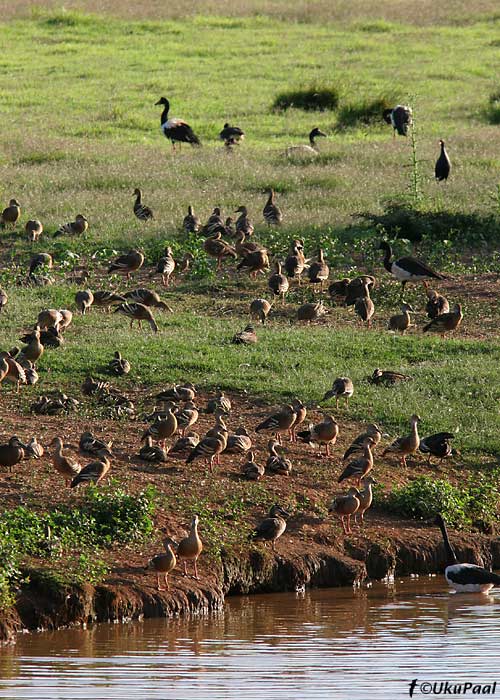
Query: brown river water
<point x="332" y="643"/>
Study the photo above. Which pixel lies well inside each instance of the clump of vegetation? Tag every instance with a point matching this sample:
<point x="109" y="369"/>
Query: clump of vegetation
<point x="364" y="112"/>
<point x="493" y="111"/>
<point x="475" y="503"/>
<point x="312" y="98"/>
<point x="401" y="220"/>
<point x="106" y="516"/>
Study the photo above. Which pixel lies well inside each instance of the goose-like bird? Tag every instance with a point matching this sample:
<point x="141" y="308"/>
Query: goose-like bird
<point x="318" y="271"/>
<point x="388" y="377"/>
<point x="372" y="431"/>
<point x="278" y="282"/>
<point x="191" y="547"/>
<point x="279" y="422"/>
<point x="164" y="563"/>
<point x="243" y="223"/>
<point x="76" y="227"/>
<point x="148" y="297"/>
<point x="40" y="260"/>
<point x="191" y="223"/>
<point x="406" y="445"/>
<point x="342" y="386"/>
<point x="66" y="466"/>
<point x="436" y="303"/>
<point x="302" y="150"/>
<point x="311" y="312"/>
<point x="400" y="118"/>
<point x="364" y="306"/>
<point x="272" y="527"/>
<point x="401" y="322"/>
<point x="407" y="269"/>
<point x="271" y="212"/>
<point x="176" y="130"/>
<point x="105" y="299"/>
<point x="84" y="300"/>
<point x="34" y="229"/>
<point x="125" y="264"/>
<point x="142" y="212"/>
<point x="247" y="336"/>
<point x="443" y="164"/>
<point x="93" y="445"/>
<point x="139" y="313"/>
<point x="295" y="262"/>
<point x="231" y="135"/>
<point x="445" y="323"/>
<point x="324" y="433"/>
<point x="361" y="465"/>
<point x="94" y="471"/>
<point x="365" y="498"/>
<point x="464" y="578"/>
<point x="437" y="445"/>
<point x="250" y="469"/>
<point x="344" y="507"/>
<point x="277" y="463"/>
<point x="10" y="214"/>
<point x="11" y="453"/>
<point x="119" y="365"/>
<point x="259" y="309"/>
<point x="152" y="453"/>
<point x="254" y="262"/>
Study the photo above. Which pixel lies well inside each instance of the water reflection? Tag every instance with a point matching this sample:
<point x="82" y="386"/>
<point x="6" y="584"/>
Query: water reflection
<point x="333" y="643"/>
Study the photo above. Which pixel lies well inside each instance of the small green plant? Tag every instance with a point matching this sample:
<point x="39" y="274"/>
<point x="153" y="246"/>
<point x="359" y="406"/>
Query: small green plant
<point x="312" y="98"/>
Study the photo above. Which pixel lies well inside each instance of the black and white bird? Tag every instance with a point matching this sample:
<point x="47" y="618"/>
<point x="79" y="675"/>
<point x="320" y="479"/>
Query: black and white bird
<point x="176" y="129"/>
<point x="443" y="164"/>
<point x="437" y="445"/>
<point x="407" y="269"/>
<point x="231" y="135"/>
<point x="400" y="118"/>
<point x="464" y="578"/>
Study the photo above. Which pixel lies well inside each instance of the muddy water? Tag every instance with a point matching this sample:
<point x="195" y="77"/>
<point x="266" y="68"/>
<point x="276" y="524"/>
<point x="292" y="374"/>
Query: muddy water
<point x="334" y="643"/>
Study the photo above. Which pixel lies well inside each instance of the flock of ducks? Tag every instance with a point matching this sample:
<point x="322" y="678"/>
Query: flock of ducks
<point x="223" y="240"/>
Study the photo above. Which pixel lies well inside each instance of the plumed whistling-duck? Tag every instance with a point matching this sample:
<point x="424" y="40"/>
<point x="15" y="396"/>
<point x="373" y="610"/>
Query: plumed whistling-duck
<point x="191" y="547"/>
<point x="372" y="431"/>
<point x="10" y="214"/>
<point x="94" y="446"/>
<point x="272" y="213"/>
<point x="239" y="442"/>
<point x="324" y="433"/>
<point x="259" y="309"/>
<point x="76" y="227"/>
<point x="318" y="271"/>
<point x="243" y="223"/>
<point x="191" y="223"/>
<point x="401" y="322"/>
<point x="365" y="498"/>
<point x="359" y="466"/>
<point x="406" y="445"/>
<point x="66" y="466"/>
<point x="279" y="422"/>
<point x="388" y="377"/>
<point x="445" y="323"/>
<point x="148" y="297"/>
<point x="407" y="269"/>
<point x="277" y="463"/>
<point x="364" y="306"/>
<point x="164" y="563"/>
<point x="443" y="164"/>
<point x="311" y="311"/>
<point x="344" y="507"/>
<point x="137" y="312"/>
<point x="250" y="469"/>
<point x="254" y="262"/>
<point x="247" y="336"/>
<point x="174" y="129"/>
<point x="400" y="118"/>
<point x="342" y="386"/>
<point x="119" y="365"/>
<point x="295" y="262"/>
<point x="40" y="260"/>
<point x="272" y="527"/>
<point x="436" y="303"/>
<point x="84" y="300"/>
<point x="34" y="229"/>
<point x="125" y="264"/>
<point x="278" y="282"/>
<point x="142" y="212"/>
<point x="464" y="578"/>
<point x="94" y="472"/>
<point x="165" y="266"/>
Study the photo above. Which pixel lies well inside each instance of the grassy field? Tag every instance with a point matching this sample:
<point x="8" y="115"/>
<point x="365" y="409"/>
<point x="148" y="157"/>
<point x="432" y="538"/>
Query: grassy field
<point x="80" y="132"/>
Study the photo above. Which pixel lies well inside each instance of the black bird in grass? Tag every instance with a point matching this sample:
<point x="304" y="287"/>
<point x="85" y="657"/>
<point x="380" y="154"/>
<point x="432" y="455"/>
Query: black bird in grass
<point x="437" y="445"/>
<point x="464" y="578"/>
<point x="443" y="164"/>
<point x="176" y="129"/>
<point x="231" y="135"/>
<point x="407" y="269"/>
<point x="400" y="118"/>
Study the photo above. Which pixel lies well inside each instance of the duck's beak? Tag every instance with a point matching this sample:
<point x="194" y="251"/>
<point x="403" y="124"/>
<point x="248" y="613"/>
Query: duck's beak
<point x="158" y="103"/>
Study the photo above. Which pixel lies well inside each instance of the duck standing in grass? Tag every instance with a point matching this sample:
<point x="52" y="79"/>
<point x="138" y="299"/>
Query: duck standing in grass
<point x="445" y="323"/>
<point x="295" y="262"/>
<point x="464" y="578"/>
<point x="407" y="269"/>
<point x="278" y="283"/>
<point x="259" y="309"/>
<point x="406" y="445"/>
<point x="142" y="212"/>
<point x="191" y="547"/>
<point x="256" y="261"/>
<point x="119" y="365"/>
<point x="272" y="527"/>
<point x="11" y="214"/>
<point x="191" y="223"/>
<point x="364" y="306"/>
<point x="147" y="297"/>
<point x="176" y="130"/>
<point x="243" y="223"/>
<point x="166" y="266"/>
<point x="271" y="212"/>
<point x="344" y="507"/>
<point x="318" y="271"/>
<point x="128" y="263"/>
<point x="139" y="313"/>
<point x="76" y="227"/>
<point x="84" y="300"/>
<point x="164" y="563"/>
<point x="443" y="164"/>
<point x="34" y="230"/>
<point x="365" y="498"/>
<point x="342" y="386"/>
<point x="279" y="422"/>
<point x="11" y="453"/>
<point x="437" y="304"/>
<point x="216" y="248"/>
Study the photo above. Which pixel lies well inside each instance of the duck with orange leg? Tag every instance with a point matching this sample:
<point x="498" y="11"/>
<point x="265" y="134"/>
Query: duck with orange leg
<point x="164" y="563"/>
<point x="324" y="433"/>
<point x="345" y="506"/>
<point x="407" y="444"/>
<point x="191" y="547"/>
